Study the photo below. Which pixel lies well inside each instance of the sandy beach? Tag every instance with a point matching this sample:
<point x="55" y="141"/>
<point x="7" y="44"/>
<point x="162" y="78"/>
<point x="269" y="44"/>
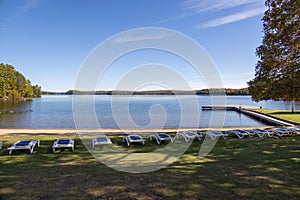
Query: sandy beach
<point x="74" y="131"/>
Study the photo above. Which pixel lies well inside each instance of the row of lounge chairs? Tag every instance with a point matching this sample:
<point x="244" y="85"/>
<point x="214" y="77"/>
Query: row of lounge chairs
<point x="68" y="143"/>
<point x="30" y="145"/>
<point x="280" y="132"/>
<point x="158" y="137"/>
<point x="188" y="136"/>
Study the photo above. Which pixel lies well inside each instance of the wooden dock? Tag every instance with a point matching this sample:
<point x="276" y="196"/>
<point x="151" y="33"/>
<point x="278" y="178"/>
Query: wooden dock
<point x="226" y="107"/>
<point x="217" y="107"/>
<point x="246" y="110"/>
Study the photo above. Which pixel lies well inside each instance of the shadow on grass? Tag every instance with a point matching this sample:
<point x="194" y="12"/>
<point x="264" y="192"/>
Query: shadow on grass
<point x="235" y="169"/>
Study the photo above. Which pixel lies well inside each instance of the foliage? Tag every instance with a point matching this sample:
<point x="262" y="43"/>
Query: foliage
<point x="14" y="85"/>
<point x="278" y="68"/>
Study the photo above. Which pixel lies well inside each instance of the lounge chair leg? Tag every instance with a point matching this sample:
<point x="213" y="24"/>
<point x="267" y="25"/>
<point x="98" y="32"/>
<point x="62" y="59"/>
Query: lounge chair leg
<point x="186" y="139"/>
<point x="157" y="140"/>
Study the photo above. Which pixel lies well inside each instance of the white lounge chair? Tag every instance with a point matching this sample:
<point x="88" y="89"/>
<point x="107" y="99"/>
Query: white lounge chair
<point x="100" y="141"/>
<point x="214" y="134"/>
<point x="24" y="145"/>
<point x="133" y="139"/>
<point x="261" y="133"/>
<point x="189" y="135"/>
<point x="295" y="129"/>
<point x="281" y="131"/>
<point x="240" y="133"/>
<point x="63" y="143"/>
<point x="161" y="137"/>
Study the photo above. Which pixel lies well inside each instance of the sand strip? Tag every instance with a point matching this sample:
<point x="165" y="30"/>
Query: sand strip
<point x="73" y="131"/>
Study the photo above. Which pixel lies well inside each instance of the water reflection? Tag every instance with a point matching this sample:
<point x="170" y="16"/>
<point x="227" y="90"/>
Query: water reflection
<point x="15" y="113"/>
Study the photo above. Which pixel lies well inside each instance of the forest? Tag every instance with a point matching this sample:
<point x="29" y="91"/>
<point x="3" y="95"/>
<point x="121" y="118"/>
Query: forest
<point x="13" y="85"/>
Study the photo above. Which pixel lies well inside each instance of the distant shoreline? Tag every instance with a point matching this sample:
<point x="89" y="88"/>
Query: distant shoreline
<point x="213" y="91"/>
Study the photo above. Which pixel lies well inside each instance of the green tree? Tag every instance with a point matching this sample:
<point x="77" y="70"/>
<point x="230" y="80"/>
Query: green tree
<point x="277" y="72"/>
<point x="20" y="84"/>
<point x="14" y="85"/>
<point x="37" y="91"/>
<point x="2" y="81"/>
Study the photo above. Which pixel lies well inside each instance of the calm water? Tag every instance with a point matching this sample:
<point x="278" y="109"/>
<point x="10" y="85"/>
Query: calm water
<point x="137" y="111"/>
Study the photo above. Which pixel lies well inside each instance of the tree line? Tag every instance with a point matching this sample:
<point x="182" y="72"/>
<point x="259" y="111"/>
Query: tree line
<point x="212" y="91"/>
<point x="14" y="85"/>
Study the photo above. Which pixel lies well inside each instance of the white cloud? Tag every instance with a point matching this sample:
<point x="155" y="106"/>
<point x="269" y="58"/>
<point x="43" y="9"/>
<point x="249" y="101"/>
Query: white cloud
<point x="233" y="18"/>
<point x="140" y="37"/>
<point x="200" y="6"/>
<point x="171" y="19"/>
<point x="237" y="10"/>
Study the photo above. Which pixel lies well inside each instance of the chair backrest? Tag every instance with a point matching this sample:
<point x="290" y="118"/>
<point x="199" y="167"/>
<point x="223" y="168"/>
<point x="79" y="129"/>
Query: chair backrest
<point x="23" y="143"/>
<point x="63" y="141"/>
<point x="101" y="139"/>
<point x="135" y="137"/>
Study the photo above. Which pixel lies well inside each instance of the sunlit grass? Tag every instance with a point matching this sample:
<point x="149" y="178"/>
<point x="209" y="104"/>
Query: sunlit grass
<point x="235" y="169"/>
<point x="283" y="114"/>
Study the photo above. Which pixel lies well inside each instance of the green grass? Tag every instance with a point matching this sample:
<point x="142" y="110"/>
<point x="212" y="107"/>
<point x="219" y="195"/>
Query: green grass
<point x="235" y="169"/>
<point x="283" y="114"/>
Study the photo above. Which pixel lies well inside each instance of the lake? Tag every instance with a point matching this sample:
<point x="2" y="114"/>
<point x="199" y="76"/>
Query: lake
<point x="56" y="111"/>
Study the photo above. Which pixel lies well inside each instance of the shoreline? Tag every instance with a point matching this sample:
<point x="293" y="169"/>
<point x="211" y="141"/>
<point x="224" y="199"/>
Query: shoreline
<point x="74" y="131"/>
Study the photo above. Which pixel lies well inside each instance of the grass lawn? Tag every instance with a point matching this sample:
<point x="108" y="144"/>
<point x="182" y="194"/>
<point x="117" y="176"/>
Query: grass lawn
<point x="248" y="168"/>
<point x="283" y="114"/>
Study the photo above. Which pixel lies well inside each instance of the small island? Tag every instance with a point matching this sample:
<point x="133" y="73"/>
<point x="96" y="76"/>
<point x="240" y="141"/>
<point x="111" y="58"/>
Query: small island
<point x="14" y="86"/>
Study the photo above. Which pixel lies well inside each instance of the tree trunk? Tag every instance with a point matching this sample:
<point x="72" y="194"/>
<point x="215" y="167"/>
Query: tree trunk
<point x="293" y="106"/>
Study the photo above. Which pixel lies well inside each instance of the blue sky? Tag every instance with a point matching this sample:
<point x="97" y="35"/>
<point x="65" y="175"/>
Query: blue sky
<point x="48" y="40"/>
